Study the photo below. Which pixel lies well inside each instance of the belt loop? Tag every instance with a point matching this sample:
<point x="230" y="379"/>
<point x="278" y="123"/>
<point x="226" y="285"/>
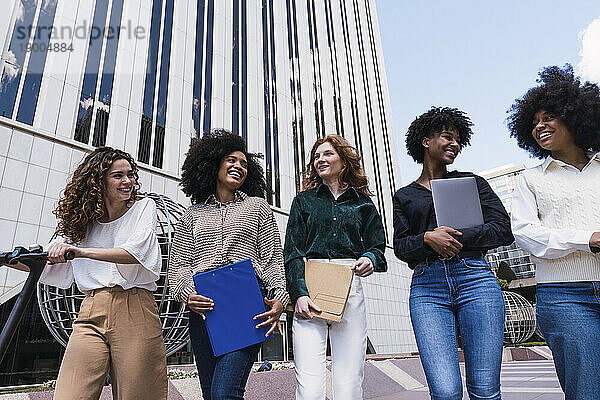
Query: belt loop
<point x="134" y="290"/>
<point x="93" y="292"/>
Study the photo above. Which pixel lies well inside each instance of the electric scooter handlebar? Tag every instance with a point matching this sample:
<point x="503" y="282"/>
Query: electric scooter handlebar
<point x="34" y="258"/>
<point x="22" y="255"/>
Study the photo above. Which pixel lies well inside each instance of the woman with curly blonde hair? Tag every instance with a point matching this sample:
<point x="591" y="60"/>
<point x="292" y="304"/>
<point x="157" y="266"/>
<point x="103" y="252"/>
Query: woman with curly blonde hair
<point x="117" y="262"/>
<point x="332" y="220"/>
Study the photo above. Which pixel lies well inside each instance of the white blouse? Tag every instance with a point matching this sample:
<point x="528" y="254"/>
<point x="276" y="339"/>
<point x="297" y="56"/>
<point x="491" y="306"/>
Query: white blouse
<point x="134" y="232"/>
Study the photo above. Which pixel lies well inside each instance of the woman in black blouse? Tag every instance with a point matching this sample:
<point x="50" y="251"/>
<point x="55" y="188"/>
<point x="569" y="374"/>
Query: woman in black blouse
<point x="451" y="284"/>
<point x="332" y="220"/>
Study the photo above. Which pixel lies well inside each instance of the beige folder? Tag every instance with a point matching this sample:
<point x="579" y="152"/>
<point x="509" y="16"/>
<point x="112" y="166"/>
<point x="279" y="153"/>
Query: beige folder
<point x="329" y="286"/>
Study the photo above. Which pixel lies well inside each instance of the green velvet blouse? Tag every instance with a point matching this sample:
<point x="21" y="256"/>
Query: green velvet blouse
<point x="322" y="227"/>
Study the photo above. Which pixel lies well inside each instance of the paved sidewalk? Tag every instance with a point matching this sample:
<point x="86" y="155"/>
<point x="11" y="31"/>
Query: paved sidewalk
<point x="395" y="379"/>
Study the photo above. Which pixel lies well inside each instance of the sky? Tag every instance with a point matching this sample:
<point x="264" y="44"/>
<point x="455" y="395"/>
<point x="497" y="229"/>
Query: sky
<point x="479" y="56"/>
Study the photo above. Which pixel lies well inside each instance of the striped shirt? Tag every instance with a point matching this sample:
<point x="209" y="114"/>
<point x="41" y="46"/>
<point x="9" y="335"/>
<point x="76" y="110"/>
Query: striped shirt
<point x="212" y="234"/>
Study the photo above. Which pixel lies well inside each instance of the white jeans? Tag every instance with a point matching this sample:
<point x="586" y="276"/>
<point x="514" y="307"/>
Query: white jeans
<point x="348" y="340"/>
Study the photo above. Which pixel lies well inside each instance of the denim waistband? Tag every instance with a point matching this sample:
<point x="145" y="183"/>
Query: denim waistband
<point x="460" y="256"/>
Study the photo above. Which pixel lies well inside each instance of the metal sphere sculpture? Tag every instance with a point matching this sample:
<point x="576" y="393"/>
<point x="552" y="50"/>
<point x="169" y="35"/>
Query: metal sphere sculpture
<point x="59" y="307"/>
<point x="519" y="323"/>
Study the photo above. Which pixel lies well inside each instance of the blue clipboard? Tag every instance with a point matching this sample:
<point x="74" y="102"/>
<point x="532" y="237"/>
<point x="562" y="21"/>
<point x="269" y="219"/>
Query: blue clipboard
<point x="237" y="298"/>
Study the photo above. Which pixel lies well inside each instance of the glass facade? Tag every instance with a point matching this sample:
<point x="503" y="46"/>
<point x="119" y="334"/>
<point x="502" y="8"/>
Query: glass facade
<point x="337" y="106"/>
<point x="199" y="52"/>
<point x="108" y="74"/>
<point x="314" y="50"/>
<point x="26" y="58"/>
<point x="235" y="69"/>
<point x="163" y="87"/>
<point x="145" y="138"/>
<point x="37" y="61"/>
<point x="267" y="101"/>
<point x="244" y="35"/>
<point x="208" y="73"/>
<point x="296" y="94"/>
<point x="90" y="77"/>
<point x="351" y="81"/>
<point x="370" y="118"/>
<point x="152" y="137"/>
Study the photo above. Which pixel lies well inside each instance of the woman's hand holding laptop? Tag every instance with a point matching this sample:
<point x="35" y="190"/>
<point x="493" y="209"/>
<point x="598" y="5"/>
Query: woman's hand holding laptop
<point x="443" y="241"/>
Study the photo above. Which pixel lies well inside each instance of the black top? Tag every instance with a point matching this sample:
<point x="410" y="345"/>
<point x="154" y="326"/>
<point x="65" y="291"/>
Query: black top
<point x="414" y="215"/>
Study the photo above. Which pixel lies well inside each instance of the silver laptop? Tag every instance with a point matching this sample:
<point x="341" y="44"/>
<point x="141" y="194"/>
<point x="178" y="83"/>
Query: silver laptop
<point x="456" y="202"/>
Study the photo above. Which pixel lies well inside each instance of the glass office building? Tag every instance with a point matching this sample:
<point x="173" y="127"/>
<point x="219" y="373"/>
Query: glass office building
<point x="147" y="76"/>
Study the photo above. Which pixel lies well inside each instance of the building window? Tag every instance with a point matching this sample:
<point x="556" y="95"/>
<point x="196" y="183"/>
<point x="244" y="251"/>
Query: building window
<point x="244" y="71"/>
<point x="37" y="61"/>
<point x="32" y="29"/>
<point x="163" y="88"/>
<point x="235" y="69"/>
<point x="199" y="47"/>
<point x="270" y="104"/>
<point x="352" y="83"/>
<point x="369" y="111"/>
<point x="314" y="50"/>
<point x="145" y="139"/>
<point x="150" y="144"/>
<point x="296" y="93"/>
<point x="108" y="74"/>
<point x="94" y="106"/>
<point x="90" y="78"/>
<point x="208" y="69"/>
<point x="380" y="101"/>
<point x="337" y="102"/>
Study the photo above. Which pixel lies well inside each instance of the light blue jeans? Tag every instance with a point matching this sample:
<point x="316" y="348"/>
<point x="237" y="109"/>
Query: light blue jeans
<point x="569" y="317"/>
<point x="461" y="293"/>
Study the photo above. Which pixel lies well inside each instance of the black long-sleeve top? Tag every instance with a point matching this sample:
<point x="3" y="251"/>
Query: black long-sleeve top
<point x="414" y="215"/>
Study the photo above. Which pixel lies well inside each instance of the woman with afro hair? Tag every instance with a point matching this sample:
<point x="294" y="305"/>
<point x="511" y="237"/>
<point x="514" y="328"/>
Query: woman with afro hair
<point x="117" y="263"/>
<point x="229" y="221"/>
<point x="453" y="288"/>
<point x="556" y="217"/>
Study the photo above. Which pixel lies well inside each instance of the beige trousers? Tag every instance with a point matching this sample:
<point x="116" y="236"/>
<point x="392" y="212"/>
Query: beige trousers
<point x="116" y="331"/>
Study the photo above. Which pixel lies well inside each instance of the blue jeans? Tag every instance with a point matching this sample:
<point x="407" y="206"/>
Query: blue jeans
<point x="465" y="292"/>
<point x="223" y="377"/>
<point x="568" y="314"/>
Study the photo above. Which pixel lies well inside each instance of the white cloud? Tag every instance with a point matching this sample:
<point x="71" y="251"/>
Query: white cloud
<point x="589" y="66"/>
<point x="10" y="70"/>
<point x="87" y="103"/>
<point x="20" y="16"/>
<point x="49" y="3"/>
<point x="10" y="57"/>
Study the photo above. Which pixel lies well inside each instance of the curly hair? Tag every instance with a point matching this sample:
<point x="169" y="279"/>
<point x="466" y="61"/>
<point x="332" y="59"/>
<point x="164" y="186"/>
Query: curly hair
<point x="561" y="93"/>
<point x="352" y="173"/>
<point x="433" y="121"/>
<point x="201" y="166"/>
<point x="82" y="201"/>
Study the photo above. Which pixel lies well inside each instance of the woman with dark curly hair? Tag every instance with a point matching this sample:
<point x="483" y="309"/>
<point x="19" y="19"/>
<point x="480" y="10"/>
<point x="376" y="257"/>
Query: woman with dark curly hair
<point x="332" y="220"/>
<point x="117" y="262"/>
<point x="453" y="288"/>
<point x="229" y="221"/>
<point x="556" y="218"/>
